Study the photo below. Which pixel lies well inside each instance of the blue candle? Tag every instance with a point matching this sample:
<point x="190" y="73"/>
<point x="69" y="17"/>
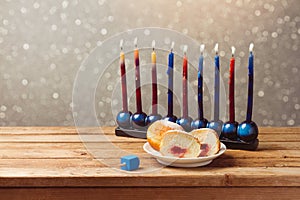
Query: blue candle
<point x="217" y="84"/>
<point x="250" y="84"/>
<point x="200" y="84"/>
<point x="170" y="81"/>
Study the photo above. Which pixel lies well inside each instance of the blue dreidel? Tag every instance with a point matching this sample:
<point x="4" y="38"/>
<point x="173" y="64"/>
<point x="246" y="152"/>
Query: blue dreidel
<point x="123" y="119"/>
<point x="229" y="130"/>
<point x="185" y="123"/>
<point x="216" y="125"/>
<point x="130" y="162"/>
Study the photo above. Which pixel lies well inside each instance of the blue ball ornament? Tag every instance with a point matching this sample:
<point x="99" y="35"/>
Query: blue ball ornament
<point x="152" y="118"/>
<point x="138" y="120"/>
<point x="172" y="118"/>
<point x="199" y="123"/>
<point x="216" y="125"/>
<point x="123" y="119"/>
<point x="247" y="131"/>
<point x="229" y="130"/>
<point x="185" y="123"/>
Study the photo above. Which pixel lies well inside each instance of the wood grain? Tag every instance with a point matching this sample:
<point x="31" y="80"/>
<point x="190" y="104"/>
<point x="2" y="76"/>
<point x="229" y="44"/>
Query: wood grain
<point x="56" y="162"/>
<point x="238" y="193"/>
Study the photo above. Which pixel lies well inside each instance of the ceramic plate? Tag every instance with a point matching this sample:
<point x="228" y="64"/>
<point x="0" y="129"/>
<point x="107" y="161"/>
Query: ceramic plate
<point x="182" y="162"/>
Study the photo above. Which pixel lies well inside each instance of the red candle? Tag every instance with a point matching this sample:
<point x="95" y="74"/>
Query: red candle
<point x="123" y="78"/>
<point x="184" y="85"/>
<point x="154" y="80"/>
<point x="137" y="79"/>
<point x="231" y="87"/>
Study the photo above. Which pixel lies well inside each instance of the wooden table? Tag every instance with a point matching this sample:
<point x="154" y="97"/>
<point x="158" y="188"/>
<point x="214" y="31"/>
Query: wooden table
<point x="55" y="163"/>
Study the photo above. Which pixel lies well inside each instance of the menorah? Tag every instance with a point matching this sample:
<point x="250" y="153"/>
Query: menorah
<point x="232" y="134"/>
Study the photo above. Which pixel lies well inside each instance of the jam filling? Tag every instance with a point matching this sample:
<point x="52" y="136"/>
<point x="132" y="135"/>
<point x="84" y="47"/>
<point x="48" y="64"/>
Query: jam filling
<point x="204" y="149"/>
<point x="176" y="150"/>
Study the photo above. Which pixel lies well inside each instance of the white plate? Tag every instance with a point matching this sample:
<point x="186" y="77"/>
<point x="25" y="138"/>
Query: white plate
<point x="182" y="162"/>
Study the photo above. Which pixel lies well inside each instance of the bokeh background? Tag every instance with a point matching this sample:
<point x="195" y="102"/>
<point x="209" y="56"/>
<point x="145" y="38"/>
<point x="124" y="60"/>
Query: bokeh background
<point x="44" y="42"/>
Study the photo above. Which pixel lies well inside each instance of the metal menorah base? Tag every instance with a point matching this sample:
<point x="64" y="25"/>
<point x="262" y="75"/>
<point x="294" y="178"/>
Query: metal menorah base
<point x="230" y="144"/>
<point x="131" y="133"/>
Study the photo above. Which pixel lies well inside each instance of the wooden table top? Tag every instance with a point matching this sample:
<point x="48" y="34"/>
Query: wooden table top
<point x="49" y="157"/>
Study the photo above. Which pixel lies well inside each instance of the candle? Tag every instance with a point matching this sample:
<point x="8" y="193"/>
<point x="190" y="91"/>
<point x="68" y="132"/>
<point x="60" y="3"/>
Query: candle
<point x="184" y="84"/>
<point x="200" y="84"/>
<point x="170" y="81"/>
<point x="123" y="117"/>
<point x="154" y="116"/>
<point x="229" y="129"/>
<point x="123" y="78"/>
<point x="137" y="79"/>
<point x="231" y="87"/>
<point x="201" y="122"/>
<point x="217" y="84"/>
<point x="216" y="124"/>
<point x="250" y="83"/>
<point x="138" y="119"/>
<point x="154" y="80"/>
<point x="185" y="121"/>
<point x="248" y="130"/>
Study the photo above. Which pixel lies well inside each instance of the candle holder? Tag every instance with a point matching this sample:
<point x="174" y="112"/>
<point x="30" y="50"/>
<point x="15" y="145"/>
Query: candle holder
<point x="199" y="123"/>
<point x="233" y="135"/>
<point x="185" y="123"/>
<point x="171" y="118"/>
<point x="138" y="120"/>
<point x="244" y="135"/>
<point x="152" y="118"/>
<point x="123" y="119"/>
<point x="215" y="125"/>
<point x="247" y="131"/>
<point x="229" y="130"/>
<point x="240" y="136"/>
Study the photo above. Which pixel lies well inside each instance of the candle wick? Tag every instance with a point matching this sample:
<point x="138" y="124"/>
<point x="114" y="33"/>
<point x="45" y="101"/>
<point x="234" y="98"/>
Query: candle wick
<point x="121" y="44"/>
<point x="202" y="46"/>
<point x="153" y="44"/>
<point x="135" y="42"/>
<point x="172" y="46"/>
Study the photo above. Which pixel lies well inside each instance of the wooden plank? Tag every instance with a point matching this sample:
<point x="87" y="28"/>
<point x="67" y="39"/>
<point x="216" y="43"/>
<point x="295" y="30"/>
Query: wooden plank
<point x="110" y="130"/>
<point x="113" y="138"/>
<point x="56" y="157"/>
<point x="108" y="150"/>
<point x="272" y="193"/>
<point x="77" y="145"/>
<point x="58" y="163"/>
<point x="163" y="177"/>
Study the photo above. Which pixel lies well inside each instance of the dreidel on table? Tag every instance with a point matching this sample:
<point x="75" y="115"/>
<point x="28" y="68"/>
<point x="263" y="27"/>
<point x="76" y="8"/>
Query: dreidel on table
<point x="130" y="162"/>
